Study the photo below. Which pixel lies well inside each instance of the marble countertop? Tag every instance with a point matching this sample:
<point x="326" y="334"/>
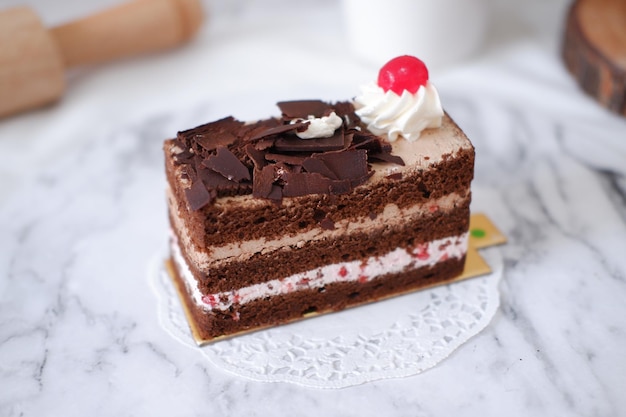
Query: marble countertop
<point x="82" y="215"/>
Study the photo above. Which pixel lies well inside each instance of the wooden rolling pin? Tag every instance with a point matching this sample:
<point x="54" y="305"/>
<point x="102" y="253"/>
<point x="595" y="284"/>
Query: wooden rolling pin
<point x="33" y="59"/>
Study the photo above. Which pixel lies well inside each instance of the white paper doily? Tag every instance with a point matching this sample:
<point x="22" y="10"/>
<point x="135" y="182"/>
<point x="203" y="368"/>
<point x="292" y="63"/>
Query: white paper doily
<point x="398" y="337"/>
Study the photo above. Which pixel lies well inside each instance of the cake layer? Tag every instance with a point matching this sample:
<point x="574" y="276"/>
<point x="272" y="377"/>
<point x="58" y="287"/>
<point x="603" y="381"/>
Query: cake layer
<point x="295" y="305"/>
<point x="434" y="168"/>
<point x="289" y="260"/>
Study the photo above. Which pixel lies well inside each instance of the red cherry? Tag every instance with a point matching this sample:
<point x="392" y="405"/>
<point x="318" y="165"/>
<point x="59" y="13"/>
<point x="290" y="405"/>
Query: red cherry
<point x="403" y="73"/>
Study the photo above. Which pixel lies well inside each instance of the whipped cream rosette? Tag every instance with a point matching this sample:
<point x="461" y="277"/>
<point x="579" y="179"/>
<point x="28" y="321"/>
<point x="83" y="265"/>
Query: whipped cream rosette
<point x="402" y="103"/>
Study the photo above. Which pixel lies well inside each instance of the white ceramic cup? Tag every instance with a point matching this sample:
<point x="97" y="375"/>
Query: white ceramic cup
<point x="439" y="32"/>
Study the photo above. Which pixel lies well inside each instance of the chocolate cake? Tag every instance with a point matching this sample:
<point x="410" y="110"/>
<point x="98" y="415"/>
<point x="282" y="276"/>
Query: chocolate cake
<point x="327" y="206"/>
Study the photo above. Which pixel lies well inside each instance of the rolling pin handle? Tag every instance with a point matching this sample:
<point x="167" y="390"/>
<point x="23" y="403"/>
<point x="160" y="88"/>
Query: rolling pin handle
<point x="137" y="27"/>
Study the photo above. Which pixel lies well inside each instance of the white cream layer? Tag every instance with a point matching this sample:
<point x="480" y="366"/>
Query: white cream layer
<point x="423" y="255"/>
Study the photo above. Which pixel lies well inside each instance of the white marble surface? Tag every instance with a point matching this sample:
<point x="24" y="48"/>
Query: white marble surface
<point x="82" y="212"/>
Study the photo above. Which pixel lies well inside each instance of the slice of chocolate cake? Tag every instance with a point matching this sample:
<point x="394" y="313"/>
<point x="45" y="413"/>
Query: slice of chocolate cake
<point x="323" y="208"/>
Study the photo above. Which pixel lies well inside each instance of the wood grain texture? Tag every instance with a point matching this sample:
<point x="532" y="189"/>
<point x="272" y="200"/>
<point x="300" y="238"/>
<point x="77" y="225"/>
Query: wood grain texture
<point x="137" y="27"/>
<point x="594" y="50"/>
<point x="31" y="69"/>
<point x="33" y="59"/>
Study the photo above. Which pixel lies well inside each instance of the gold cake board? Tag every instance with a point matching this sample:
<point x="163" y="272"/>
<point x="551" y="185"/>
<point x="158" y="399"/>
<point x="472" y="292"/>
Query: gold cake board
<point x="482" y="234"/>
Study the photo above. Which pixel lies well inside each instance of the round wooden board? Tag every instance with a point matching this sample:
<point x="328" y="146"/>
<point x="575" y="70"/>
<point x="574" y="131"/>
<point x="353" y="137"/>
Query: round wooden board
<point x="594" y="50"/>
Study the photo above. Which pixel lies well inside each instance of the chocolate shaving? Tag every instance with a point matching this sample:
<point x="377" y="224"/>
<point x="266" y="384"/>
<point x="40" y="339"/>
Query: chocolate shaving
<point x="343" y="186"/>
<point x="276" y="194"/>
<point x="347" y="140"/>
<point x="301" y="109"/>
<point x="318" y="165"/>
<point x="221" y="139"/>
<point x="181" y="153"/>
<point x="183" y="157"/>
<point x="227" y="164"/>
<point x="256" y="156"/>
<point x="198" y="196"/>
<point x="282" y="168"/>
<point x="292" y="143"/>
<point x="387" y="157"/>
<point x="212" y="135"/>
<point x="363" y="142"/>
<point x="370" y="141"/>
<point x="264" y="144"/>
<point x="345" y="110"/>
<point x="262" y="185"/>
<point x="250" y="130"/>
<point x="287" y="159"/>
<point x="350" y="164"/>
<point x="277" y="130"/>
<point x="214" y="180"/>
